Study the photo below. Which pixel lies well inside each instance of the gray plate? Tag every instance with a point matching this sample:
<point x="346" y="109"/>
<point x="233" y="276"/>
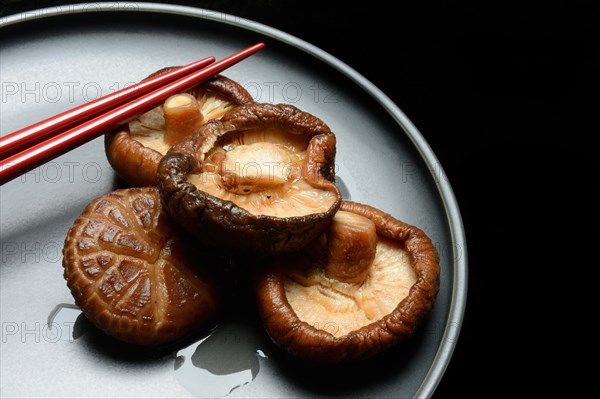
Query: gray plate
<point x="54" y="59"/>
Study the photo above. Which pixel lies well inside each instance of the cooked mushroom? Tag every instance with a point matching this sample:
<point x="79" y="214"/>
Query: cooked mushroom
<point x="358" y="289"/>
<point x="260" y="179"/>
<point x="133" y="272"/>
<point x="134" y="150"/>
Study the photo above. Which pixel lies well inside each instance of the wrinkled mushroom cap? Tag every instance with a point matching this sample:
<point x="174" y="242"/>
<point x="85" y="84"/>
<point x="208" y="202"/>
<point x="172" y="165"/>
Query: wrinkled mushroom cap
<point x="135" y="149"/>
<point x="258" y="180"/>
<point x="317" y="317"/>
<point x="134" y="274"/>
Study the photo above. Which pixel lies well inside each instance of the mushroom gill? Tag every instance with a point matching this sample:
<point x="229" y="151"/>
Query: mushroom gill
<point x="260" y="179"/>
<point x="260" y="170"/>
<point x="134" y="150"/>
<point x="360" y="288"/>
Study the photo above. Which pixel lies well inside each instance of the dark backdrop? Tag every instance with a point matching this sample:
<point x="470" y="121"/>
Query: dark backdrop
<point x="507" y="96"/>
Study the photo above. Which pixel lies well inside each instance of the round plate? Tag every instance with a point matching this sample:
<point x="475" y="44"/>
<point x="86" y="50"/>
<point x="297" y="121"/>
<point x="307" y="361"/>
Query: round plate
<point x="56" y="58"/>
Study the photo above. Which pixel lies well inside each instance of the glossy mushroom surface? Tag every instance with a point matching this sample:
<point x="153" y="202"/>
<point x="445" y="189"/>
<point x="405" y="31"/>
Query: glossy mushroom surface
<point x="258" y="180"/>
<point x="360" y="288"/>
<point x="135" y="149"/>
<point x="135" y="274"/>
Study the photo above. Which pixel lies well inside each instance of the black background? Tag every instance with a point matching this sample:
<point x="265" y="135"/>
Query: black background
<point x="507" y="96"/>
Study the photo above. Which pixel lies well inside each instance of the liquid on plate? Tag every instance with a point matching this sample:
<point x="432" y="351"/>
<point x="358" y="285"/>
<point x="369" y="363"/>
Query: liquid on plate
<point x="228" y="358"/>
<point x="224" y="361"/>
<point x="67" y="323"/>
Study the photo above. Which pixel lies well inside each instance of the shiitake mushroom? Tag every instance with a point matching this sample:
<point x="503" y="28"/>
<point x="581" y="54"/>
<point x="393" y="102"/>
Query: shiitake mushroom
<point x="135" y="149"/>
<point x="345" y="283"/>
<point x="135" y="274"/>
<point x="259" y="180"/>
<point x="360" y="288"/>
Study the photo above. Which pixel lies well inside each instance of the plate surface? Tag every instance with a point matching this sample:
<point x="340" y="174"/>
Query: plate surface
<point x="54" y="59"/>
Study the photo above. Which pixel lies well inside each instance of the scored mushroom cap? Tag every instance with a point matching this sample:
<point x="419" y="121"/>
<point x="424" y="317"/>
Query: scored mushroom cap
<point x="134" y="273"/>
<point x="259" y="180"/>
<point x="135" y="149"/>
<point x="357" y="290"/>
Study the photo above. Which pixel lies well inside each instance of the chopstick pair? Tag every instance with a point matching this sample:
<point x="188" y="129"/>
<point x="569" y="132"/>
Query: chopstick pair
<point x="34" y="145"/>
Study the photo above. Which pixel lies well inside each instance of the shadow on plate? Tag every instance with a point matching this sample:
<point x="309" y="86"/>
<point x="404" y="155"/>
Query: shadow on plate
<point x="101" y="344"/>
<point x="119" y="183"/>
<point x="348" y="378"/>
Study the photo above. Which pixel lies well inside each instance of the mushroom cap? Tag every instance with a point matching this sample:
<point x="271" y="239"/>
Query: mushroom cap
<point x="326" y="338"/>
<point x="280" y="219"/>
<point x="135" y="149"/>
<point x="134" y="273"/>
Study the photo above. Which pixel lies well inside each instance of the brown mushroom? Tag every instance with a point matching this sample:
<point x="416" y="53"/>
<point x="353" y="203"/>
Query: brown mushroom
<point x="133" y="272"/>
<point x="360" y="288"/>
<point x="260" y="179"/>
<point x="134" y="150"/>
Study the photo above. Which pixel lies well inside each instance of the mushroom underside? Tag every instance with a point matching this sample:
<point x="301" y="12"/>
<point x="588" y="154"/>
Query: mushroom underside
<point x="254" y="180"/>
<point x="327" y="304"/>
<point x="339" y="307"/>
<point x="135" y="149"/>
<point x="260" y="171"/>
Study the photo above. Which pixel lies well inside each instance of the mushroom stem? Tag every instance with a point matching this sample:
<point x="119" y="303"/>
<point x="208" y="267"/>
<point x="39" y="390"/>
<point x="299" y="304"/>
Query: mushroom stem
<point x="351" y="245"/>
<point x="256" y="167"/>
<point x="182" y="117"/>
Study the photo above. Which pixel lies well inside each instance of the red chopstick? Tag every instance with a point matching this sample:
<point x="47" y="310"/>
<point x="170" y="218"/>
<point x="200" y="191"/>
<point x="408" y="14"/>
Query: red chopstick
<point x="32" y="157"/>
<point x="40" y="131"/>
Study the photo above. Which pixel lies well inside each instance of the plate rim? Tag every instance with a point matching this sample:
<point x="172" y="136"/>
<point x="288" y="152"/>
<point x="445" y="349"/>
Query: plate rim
<point x="457" y="233"/>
